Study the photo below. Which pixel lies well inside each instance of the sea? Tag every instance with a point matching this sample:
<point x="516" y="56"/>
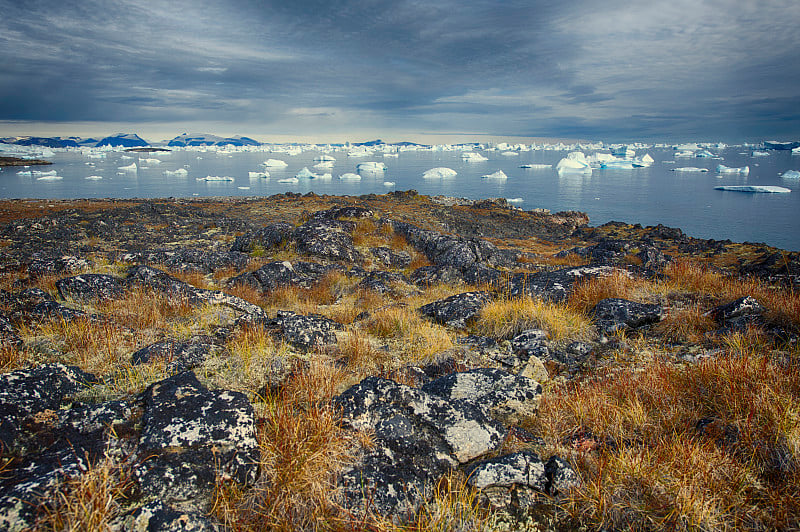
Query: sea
<point x="649" y="196"/>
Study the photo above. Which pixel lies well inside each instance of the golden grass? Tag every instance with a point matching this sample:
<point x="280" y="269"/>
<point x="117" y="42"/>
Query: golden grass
<point x="414" y="337"/>
<point x="505" y="318"/>
<point x="686" y="325"/>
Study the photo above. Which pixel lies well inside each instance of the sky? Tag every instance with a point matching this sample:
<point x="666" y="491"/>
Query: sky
<point x="616" y="70"/>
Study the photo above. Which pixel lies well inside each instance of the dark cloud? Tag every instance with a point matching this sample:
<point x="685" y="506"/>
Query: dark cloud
<point x="539" y="68"/>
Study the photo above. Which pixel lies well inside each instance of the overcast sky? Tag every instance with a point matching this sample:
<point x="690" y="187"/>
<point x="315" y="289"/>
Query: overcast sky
<point x="612" y="70"/>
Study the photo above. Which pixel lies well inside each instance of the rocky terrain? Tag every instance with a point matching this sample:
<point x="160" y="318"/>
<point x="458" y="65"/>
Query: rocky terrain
<point x="389" y="362"/>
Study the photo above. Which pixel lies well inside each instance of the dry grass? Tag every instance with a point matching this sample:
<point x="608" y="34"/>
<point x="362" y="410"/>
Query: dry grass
<point x="414" y="338"/>
<point x="505" y="318"/>
<point x="711" y="446"/>
<point x="686" y="325"/>
<point x="587" y="294"/>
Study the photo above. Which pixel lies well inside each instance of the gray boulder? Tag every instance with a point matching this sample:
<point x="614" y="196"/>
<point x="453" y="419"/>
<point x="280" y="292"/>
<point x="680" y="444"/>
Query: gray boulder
<point x="179" y="356"/>
<point x="615" y="314"/>
<point x="457" y="311"/>
<point x="391" y="258"/>
<point x="190" y="260"/>
<point x="283" y="273"/>
<point x="555" y="285"/>
<point x="267" y="238"/>
<point x="158" y="517"/>
<point x="744" y="308"/>
<point x="90" y="286"/>
<point x="329" y="239"/>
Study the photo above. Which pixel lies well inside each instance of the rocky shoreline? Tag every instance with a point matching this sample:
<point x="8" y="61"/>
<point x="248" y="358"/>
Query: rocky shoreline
<point x="410" y="422"/>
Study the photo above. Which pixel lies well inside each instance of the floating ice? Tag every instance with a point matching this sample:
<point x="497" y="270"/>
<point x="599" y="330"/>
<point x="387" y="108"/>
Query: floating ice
<point x="360" y="152"/>
<point x="689" y="169"/>
<point x="49" y="178"/>
<point x="618" y="164"/>
<point x="26" y="173"/>
<point x="791" y="174"/>
<point x="704" y="153"/>
<point x="39" y="173"/>
<point x="515" y="200"/>
<point x="215" y="178"/>
<point x="324" y="165"/>
<point x="391" y="154"/>
<point x="722" y="169"/>
<point x="150" y="161"/>
<point x="388" y="183"/>
<point x="796" y="151"/>
<point x="495" y="175"/>
<point x="274" y="163"/>
<point x="510" y="153"/>
<point x="439" y="173"/>
<point x="93" y="177"/>
<point x="371" y="166"/>
<point x="305" y="173"/>
<point x="645" y="160"/>
<point x="755" y="188"/>
<point x="473" y="157"/>
<point x="131" y="167"/>
<point x="536" y="166"/>
<point x="180" y="172"/>
<point x="258" y="175"/>
<point x="760" y="153"/>
<point x="243" y="188"/>
<point x="324" y="159"/>
<point x="574" y="163"/>
<point x="349" y="176"/>
<point x="288" y="180"/>
<point x="123" y="157"/>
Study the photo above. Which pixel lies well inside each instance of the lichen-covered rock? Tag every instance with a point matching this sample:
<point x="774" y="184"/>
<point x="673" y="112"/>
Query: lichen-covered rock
<point x="457" y="311"/>
<point x="556" y="285"/>
<point x="40" y="265"/>
<point x="418" y="436"/>
<point x="266" y="238"/>
<point x="431" y="275"/>
<point x="25" y="393"/>
<point x="326" y="238"/>
<point x="350" y="211"/>
<point x="500" y="395"/>
<point x="282" y="273"/>
<point x="615" y="314"/>
<point x="190" y="260"/>
<point x="158" y="517"/>
<point x="306" y="331"/>
<point x="744" y="307"/>
<point x="179" y="356"/>
<point x="8" y="334"/>
<point x="391" y="258"/>
<point x="381" y="281"/>
<point x="90" y="286"/>
<point x="191" y="434"/>
<point x="560" y="476"/>
<point x="518" y="469"/>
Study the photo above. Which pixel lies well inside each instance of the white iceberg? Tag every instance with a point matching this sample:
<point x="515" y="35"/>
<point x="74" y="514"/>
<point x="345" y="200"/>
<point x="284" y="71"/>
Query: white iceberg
<point x="495" y="175"/>
<point x="49" y="178"/>
<point x="689" y="169"/>
<point x="473" y="157"/>
<point x="644" y="161"/>
<point x="388" y="183"/>
<point x="510" y="153"/>
<point x="25" y="173"/>
<point x="274" y="163"/>
<point x="180" y="172"/>
<point x="769" y="189"/>
<point x="360" y="152"/>
<point x="288" y="180"/>
<point x="722" y="169"/>
<point x="391" y="154"/>
<point x="796" y="151"/>
<point x="305" y="173"/>
<point x="243" y="188"/>
<point x="215" y="178"/>
<point x="349" y="176"/>
<point x="618" y="164"/>
<point x="371" y="166"/>
<point x="536" y="166"/>
<point x="324" y="165"/>
<point x="758" y="153"/>
<point x="131" y="167"/>
<point x="439" y="173"/>
<point x="39" y="173"/>
<point x="93" y="177"/>
<point x="324" y="159"/>
<point x="515" y="200"/>
<point x="791" y="174"/>
<point x="258" y="175"/>
<point x="150" y="161"/>
<point x="574" y="163"/>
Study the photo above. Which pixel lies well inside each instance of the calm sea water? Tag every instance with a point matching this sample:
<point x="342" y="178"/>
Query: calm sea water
<point x="644" y="195"/>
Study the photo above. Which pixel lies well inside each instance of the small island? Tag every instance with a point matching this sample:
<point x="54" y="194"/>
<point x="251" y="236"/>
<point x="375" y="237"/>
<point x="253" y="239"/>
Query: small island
<point x="16" y="161"/>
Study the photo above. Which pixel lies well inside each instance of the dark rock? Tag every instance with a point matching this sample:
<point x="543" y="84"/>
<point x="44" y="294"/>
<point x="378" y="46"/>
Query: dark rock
<point x="90" y="286"/>
<point x="328" y="239"/>
<point x="86" y="423"/>
<point x="614" y="314"/>
<point x="480" y="274"/>
<point x="560" y="476"/>
<point x="25" y="393"/>
<point x="306" y="331"/>
<point x="269" y="237"/>
<point x="39" y="265"/>
<point x="431" y="275"/>
<point x="190" y="435"/>
<point x="555" y="285"/>
<point x="744" y="307"/>
<point x="336" y="213"/>
<point x="458" y="310"/>
<point x="8" y="334"/>
<point x="518" y="469"/>
<point x="190" y="260"/>
<point x="283" y="273"/>
<point x="179" y="356"/>
<point x="381" y="281"/>
<point x="391" y="258"/>
<point x="530" y="343"/>
<point x="158" y="517"/>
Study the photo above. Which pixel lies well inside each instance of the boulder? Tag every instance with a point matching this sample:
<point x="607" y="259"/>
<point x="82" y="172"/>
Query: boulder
<point x="8" y="334"/>
<point x="350" y="211"/>
<point x="615" y="314"/>
<point x="190" y="260"/>
<point x="178" y="356"/>
<point x="306" y="331"/>
<point x="158" y="517"/>
<point x="458" y="310"/>
<point x="40" y="265"/>
<point x="329" y="239"/>
<point x="266" y="238"/>
<point x="381" y="281"/>
<point x="555" y="285"/>
<point x="90" y="286"/>
<point x="391" y="258"/>
<point x="744" y="307"/>
<point x="431" y="275"/>
<point x="283" y="273"/>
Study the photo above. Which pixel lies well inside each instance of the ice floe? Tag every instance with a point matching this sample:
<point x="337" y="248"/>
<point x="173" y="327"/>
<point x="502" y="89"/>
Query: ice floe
<point x="722" y="169"/>
<point x="510" y="153"/>
<point x="215" y="178"/>
<point x="93" y="177"/>
<point x="759" y="153"/>
<point x="275" y="163"/>
<point x="371" y="166"/>
<point x="439" y="173"/>
<point x="325" y="165"/>
<point x="349" y="176"/>
<point x="791" y="174"/>
<point x="618" y="164"/>
<point x="515" y="200"/>
<point x="150" y="161"/>
<point x="289" y="180"/>
<point x="388" y="183"/>
<point x="131" y="167"/>
<point x="689" y="169"/>
<point x="473" y="157"/>
<point x="25" y="173"/>
<point x="769" y="189"/>
<point x="324" y="159"/>
<point x="49" y="178"/>
<point x="39" y="173"/>
<point x="796" y="151"/>
<point x="180" y="172"/>
<point x="258" y="175"/>
<point x="495" y="175"/>
<point x="536" y="166"/>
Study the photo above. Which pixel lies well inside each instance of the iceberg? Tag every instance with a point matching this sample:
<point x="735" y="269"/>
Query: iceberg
<point x="150" y="161"/>
<point x="324" y="159"/>
<point x="305" y="173"/>
<point x="795" y="151"/>
<point x="39" y="173"/>
<point x="439" y="173"/>
<point x="25" y="173"/>
<point x="371" y="166"/>
<point x="536" y="166"/>
<point x="769" y="189"/>
<point x="93" y="177"/>
<point x="131" y="167"/>
<point x="472" y="157"/>
<point x="180" y="172"/>
<point x="495" y="175"/>
<point x="704" y="153"/>
<point x="288" y="180"/>
<point x="574" y="163"/>
<point x="758" y="153"/>
<point x="349" y="176"/>
<point x="722" y="169"/>
<point x="243" y="188"/>
<point x="49" y="178"/>
<point x="644" y="161"/>
<point x="510" y="153"/>
<point x="619" y="164"/>
<point x="391" y="154"/>
<point x="515" y="200"/>
<point x="215" y="178"/>
<point x="274" y="163"/>
<point x="258" y="175"/>
<point x="388" y="183"/>
<point x="689" y="169"/>
<point x="791" y="174"/>
<point x="324" y="165"/>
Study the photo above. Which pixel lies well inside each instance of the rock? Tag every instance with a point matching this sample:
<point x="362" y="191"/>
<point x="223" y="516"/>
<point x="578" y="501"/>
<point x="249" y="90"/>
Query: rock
<point x="8" y="334"/>
<point x="744" y="307"/>
<point x="560" y="476"/>
<point x="500" y="395"/>
<point x="90" y="286"/>
<point x="431" y="275"/>
<point x="190" y="435"/>
<point x="382" y="281"/>
<point x="328" y="239"/>
<point x="178" y="356"/>
<point x="306" y="331"/>
<point x="283" y="273"/>
<point x="518" y="469"/>
<point x="556" y="285"/>
<point x="190" y="260"/>
<point x="40" y="266"/>
<point x="391" y="258"/>
<point x="25" y="393"/>
<point x="158" y="517"/>
<point x="335" y="213"/>
<point x="458" y="310"/>
<point x="615" y="314"/>
<point x="269" y="237"/>
<point x="419" y="436"/>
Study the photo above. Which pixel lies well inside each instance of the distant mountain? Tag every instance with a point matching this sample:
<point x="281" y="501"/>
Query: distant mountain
<point x="206" y="139"/>
<point x="126" y="140"/>
<point x="49" y="142"/>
